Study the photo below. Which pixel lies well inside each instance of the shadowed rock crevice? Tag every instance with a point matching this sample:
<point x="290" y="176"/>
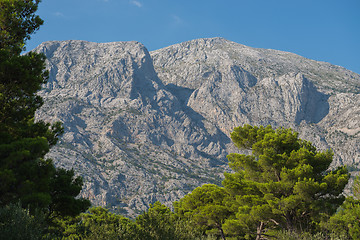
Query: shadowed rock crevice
<point x="315" y="105"/>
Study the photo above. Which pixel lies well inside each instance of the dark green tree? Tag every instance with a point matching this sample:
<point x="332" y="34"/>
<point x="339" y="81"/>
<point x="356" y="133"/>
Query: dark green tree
<point x="25" y="175"/>
<point x="99" y="223"/>
<point x="205" y="208"/>
<point x="64" y="188"/>
<point x="285" y="183"/>
<point x="17" y="22"/>
<point x="17" y="223"/>
<point x="346" y="220"/>
<point x="159" y="222"/>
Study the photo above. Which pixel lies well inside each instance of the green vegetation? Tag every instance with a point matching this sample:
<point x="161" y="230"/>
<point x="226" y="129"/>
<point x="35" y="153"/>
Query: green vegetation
<point x="206" y="208"/>
<point x="283" y="185"/>
<point x="159" y="222"/>
<point x="16" y="222"/>
<point x="346" y="220"/>
<point x="26" y="177"/>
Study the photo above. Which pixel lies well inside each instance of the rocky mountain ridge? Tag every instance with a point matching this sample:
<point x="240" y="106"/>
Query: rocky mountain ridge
<point x="145" y="126"/>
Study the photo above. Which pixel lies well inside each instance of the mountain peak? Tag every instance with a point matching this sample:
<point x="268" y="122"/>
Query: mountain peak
<point x="142" y="127"/>
<point x="114" y="68"/>
<point x="261" y="63"/>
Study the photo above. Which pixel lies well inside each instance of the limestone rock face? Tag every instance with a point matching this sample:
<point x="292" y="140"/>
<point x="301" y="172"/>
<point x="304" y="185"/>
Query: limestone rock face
<point x="142" y="127"/>
<point x="274" y="87"/>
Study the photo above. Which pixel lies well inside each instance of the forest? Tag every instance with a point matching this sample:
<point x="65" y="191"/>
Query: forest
<point x="282" y="188"/>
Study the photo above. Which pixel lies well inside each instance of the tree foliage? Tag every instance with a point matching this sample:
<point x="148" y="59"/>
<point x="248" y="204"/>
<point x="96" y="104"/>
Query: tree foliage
<point x="205" y="207"/>
<point x="64" y="189"/>
<point x="99" y="223"/>
<point x="158" y="223"/>
<point x="283" y="184"/>
<point x="17" y="22"/>
<point x="17" y="223"/>
<point x="25" y="175"/>
<point x="346" y="220"/>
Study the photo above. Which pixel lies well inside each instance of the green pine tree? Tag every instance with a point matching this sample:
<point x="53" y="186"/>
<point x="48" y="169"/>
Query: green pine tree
<point x="282" y="184"/>
<point x="285" y="183"/>
<point x="346" y="221"/>
<point x="25" y="174"/>
<point x="205" y="208"/>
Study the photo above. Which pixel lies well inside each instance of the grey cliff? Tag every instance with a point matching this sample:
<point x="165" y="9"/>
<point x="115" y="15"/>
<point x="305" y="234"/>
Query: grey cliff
<point x="142" y="127"/>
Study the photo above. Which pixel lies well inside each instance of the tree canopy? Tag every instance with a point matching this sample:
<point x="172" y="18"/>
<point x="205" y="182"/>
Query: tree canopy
<point x="17" y="22"/>
<point x="25" y="174"/>
<point x="291" y="184"/>
<point x="347" y="219"/>
<point x="284" y="183"/>
<point x="206" y="208"/>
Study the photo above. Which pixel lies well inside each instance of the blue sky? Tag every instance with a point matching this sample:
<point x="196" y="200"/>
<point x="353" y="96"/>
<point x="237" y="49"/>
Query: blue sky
<point x="324" y="30"/>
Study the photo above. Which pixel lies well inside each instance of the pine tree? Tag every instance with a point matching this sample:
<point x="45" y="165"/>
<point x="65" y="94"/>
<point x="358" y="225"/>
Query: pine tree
<point x="284" y="184"/>
<point x="25" y="174"/>
<point x="206" y="208"/>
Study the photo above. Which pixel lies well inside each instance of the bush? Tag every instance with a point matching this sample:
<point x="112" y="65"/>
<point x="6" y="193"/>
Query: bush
<point x="17" y="223"/>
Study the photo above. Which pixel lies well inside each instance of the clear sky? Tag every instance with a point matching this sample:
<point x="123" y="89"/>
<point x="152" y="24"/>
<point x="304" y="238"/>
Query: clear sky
<point x="324" y="30"/>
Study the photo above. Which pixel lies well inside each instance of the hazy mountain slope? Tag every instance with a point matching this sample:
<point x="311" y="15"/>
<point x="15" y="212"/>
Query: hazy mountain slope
<point x="143" y="126"/>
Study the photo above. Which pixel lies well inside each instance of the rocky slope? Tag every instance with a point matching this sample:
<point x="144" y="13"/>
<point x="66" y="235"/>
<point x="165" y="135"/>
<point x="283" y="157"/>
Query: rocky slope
<point x="142" y="127"/>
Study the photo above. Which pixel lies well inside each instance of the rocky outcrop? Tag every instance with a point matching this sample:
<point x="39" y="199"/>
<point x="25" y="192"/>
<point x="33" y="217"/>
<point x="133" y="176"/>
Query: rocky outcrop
<point x="287" y="90"/>
<point x="142" y="127"/>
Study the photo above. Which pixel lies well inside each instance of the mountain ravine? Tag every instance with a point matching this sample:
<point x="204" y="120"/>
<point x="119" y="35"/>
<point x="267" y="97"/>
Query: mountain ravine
<point x="147" y="126"/>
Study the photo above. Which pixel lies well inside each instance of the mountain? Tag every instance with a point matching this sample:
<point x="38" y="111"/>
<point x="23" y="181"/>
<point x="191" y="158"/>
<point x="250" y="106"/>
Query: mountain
<point x="147" y="126"/>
